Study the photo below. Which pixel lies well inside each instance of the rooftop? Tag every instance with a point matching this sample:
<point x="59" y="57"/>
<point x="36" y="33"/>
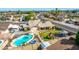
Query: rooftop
<point x="4" y="26"/>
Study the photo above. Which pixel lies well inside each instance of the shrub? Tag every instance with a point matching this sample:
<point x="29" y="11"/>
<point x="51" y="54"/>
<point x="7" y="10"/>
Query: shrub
<point x="77" y="38"/>
<point x="27" y="18"/>
<point x="46" y="36"/>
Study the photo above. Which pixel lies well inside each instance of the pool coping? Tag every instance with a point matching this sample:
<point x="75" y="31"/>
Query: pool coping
<point x="12" y="45"/>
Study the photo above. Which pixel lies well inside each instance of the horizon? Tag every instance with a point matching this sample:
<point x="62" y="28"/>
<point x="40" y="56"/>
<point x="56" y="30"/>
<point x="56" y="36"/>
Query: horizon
<point x="35" y="9"/>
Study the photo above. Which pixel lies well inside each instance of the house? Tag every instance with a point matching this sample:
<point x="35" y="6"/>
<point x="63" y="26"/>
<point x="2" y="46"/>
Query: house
<point x="11" y="18"/>
<point x="22" y="17"/>
<point x="66" y="19"/>
<point x="46" y="24"/>
<point x="24" y="25"/>
<point x="16" y="17"/>
<point x="12" y="28"/>
<point x="33" y="23"/>
<point x="4" y="26"/>
<point x="40" y="24"/>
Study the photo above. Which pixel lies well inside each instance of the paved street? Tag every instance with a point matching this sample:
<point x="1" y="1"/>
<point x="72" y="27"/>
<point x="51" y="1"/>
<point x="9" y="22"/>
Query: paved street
<point x="69" y="27"/>
<point x="65" y="26"/>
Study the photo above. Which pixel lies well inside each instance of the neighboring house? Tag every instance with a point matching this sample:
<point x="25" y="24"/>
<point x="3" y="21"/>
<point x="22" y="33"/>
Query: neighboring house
<point x="22" y="17"/>
<point x="40" y="24"/>
<point x="11" y="18"/>
<point x="74" y="14"/>
<point x="66" y="19"/>
<point x="16" y="18"/>
<point x="46" y="24"/>
<point x="33" y="23"/>
<point x="13" y="27"/>
<point x="62" y="16"/>
<point x="51" y="16"/>
<point x="24" y="25"/>
<point x="8" y="26"/>
<point x="4" y="26"/>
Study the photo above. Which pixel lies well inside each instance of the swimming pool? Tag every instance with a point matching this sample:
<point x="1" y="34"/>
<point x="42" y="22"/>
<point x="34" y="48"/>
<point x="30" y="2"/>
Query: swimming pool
<point x="1" y="42"/>
<point x="22" y="39"/>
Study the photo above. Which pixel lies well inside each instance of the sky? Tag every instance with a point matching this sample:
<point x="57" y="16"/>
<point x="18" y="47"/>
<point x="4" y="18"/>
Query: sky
<point x="34" y="9"/>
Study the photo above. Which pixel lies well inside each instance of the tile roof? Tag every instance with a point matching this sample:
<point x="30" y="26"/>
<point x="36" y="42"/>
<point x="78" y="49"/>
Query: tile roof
<point x="3" y="26"/>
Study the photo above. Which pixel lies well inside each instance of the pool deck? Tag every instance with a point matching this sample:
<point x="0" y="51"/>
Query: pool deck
<point x="27" y="47"/>
<point x="35" y="46"/>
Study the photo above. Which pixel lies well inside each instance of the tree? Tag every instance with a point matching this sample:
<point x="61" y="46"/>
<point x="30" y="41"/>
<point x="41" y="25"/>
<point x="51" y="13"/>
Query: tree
<point x="74" y="11"/>
<point x="20" y="12"/>
<point x="27" y="18"/>
<point x="31" y="13"/>
<point x="77" y="38"/>
<point x="46" y="15"/>
<point x="55" y="12"/>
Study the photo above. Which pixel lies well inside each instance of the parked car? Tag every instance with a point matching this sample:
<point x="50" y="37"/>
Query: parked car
<point x="76" y="23"/>
<point x="70" y="22"/>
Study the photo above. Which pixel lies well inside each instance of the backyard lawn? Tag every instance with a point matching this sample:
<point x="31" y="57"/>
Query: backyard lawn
<point x="48" y="34"/>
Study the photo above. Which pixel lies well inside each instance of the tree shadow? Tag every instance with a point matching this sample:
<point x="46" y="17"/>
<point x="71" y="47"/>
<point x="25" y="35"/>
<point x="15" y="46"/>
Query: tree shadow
<point x="39" y="48"/>
<point x="69" y="41"/>
<point x="75" y="47"/>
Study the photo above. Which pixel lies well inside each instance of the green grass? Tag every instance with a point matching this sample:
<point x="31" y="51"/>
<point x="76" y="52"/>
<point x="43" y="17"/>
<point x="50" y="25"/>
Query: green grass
<point x="45" y="34"/>
<point x="54" y="31"/>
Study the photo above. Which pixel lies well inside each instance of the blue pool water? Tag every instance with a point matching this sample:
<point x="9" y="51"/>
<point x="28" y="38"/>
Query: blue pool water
<point x="23" y="39"/>
<point x="0" y="42"/>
